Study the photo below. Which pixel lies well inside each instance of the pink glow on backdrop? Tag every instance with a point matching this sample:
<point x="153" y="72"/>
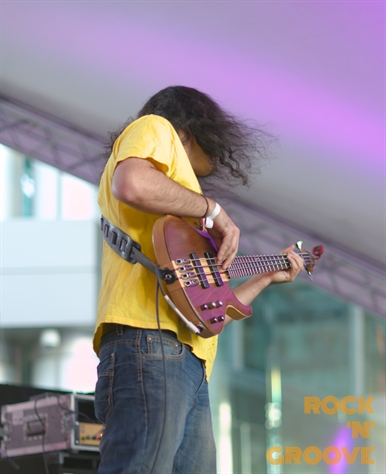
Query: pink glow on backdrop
<point x="342" y="438"/>
<point x="254" y="89"/>
<point x="309" y="114"/>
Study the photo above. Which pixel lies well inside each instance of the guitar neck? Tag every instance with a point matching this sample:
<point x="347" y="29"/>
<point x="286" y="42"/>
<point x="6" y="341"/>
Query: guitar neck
<point x="243" y="266"/>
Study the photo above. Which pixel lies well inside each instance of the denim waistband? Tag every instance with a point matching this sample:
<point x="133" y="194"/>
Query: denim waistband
<point x="121" y="329"/>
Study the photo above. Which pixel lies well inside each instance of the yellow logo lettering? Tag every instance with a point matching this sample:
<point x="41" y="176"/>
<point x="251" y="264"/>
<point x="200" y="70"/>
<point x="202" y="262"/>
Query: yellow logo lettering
<point x="358" y="428"/>
<point x="311" y="403"/>
<point x="274" y="450"/>
<point x="293" y="453"/>
<point x="330" y="410"/>
<point x="350" y="457"/>
<point x="312" y="460"/>
<point x="344" y="408"/>
<point x="332" y="450"/>
<point x="365" y="405"/>
<point x="365" y="455"/>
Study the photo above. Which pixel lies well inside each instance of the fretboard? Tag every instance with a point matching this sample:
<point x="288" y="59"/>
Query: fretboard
<point x="252" y="264"/>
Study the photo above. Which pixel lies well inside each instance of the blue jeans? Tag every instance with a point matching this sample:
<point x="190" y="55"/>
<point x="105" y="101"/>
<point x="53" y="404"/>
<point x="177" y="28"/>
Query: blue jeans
<point x="146" y="433"/>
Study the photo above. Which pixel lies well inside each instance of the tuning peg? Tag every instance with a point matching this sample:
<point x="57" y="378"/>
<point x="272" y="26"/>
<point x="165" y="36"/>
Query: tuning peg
<point x="318" y="250"/>
<point x="308" y="268"/>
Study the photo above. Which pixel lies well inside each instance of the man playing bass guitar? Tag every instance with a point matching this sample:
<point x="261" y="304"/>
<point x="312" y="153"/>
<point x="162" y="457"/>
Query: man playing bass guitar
<point x="152" y="389"/>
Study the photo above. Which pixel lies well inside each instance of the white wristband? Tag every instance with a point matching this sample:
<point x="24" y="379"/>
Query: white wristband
<point x="209" y="220"/>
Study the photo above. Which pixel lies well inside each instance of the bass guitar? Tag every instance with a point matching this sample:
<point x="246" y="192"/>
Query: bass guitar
<point x="199" y="288"/>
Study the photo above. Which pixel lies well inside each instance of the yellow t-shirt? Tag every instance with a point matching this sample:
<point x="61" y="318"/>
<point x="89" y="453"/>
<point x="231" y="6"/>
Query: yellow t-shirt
<point x="128" y="290"/>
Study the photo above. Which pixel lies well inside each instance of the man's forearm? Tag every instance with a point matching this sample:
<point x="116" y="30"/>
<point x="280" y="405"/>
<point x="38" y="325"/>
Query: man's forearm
<point x="139" y="184"/>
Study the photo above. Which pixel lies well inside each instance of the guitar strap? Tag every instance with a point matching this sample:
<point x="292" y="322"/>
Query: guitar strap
<point x="125" y="246"/>
<point x="130" y="250"/>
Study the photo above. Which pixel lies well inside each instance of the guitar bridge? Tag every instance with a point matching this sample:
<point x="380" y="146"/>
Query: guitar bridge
<point x="185" y="268"/>
<point x="185" y="276"/>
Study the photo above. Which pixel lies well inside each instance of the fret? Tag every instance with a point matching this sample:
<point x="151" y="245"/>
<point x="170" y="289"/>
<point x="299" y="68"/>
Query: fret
<point x="246" y="265"/>
<point x="254" y="264"/>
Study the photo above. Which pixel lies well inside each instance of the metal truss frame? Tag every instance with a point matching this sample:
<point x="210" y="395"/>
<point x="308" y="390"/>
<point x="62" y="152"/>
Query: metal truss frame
<point x="50" y="140"/>
<point x="74" y="151"/>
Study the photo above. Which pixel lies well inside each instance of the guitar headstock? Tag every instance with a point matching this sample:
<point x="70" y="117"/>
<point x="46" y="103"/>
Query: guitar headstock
<point x="310" y="259"/>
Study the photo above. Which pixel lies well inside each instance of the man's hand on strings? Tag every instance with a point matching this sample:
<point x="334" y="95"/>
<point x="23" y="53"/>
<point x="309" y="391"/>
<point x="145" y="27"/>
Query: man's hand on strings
<point x="297" y="264"/>
<point x="250" y="289"/>
<point x="226" y="235"/>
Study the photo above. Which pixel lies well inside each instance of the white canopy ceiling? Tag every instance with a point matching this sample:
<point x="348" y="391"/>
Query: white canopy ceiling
<point x="313" y="71"/>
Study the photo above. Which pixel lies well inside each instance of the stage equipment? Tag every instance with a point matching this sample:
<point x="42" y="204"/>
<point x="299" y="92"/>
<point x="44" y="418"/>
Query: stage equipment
<point x="50" y="422"/>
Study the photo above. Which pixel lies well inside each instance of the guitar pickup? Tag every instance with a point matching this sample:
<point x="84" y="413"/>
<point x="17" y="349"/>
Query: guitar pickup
<point x="195" y="259"/>
<point x="214" y="269"/>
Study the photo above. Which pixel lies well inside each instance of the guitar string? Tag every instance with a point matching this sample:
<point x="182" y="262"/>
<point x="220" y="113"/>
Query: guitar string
<point x="248" y="261"/>
<point x="282" y="256"/>
<point x="240" y="266"/>
<point x="241" y="258"/>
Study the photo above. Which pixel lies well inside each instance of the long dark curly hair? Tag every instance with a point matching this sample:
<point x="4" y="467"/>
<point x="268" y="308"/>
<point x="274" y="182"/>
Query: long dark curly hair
<point x="235" y="147"/>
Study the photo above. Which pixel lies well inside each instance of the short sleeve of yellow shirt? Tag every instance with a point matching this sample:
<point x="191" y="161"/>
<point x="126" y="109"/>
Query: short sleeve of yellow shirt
<point x="127" y="294"/>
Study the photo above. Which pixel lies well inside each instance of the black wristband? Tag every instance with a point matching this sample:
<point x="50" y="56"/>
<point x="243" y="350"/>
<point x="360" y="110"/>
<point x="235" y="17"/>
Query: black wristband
<point x="207" y="207"/>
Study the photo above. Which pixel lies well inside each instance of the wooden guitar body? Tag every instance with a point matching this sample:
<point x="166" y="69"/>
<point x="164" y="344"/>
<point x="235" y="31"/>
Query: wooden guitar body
<point x="200" y="291"/>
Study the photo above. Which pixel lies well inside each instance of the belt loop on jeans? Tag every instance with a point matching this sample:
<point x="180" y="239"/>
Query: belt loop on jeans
<point x="110" y="327"/>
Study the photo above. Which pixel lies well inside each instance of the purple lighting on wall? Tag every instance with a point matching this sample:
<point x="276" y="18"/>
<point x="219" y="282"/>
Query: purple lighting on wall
<point x="308" y="108"/>
<point x="342" y="438"/>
